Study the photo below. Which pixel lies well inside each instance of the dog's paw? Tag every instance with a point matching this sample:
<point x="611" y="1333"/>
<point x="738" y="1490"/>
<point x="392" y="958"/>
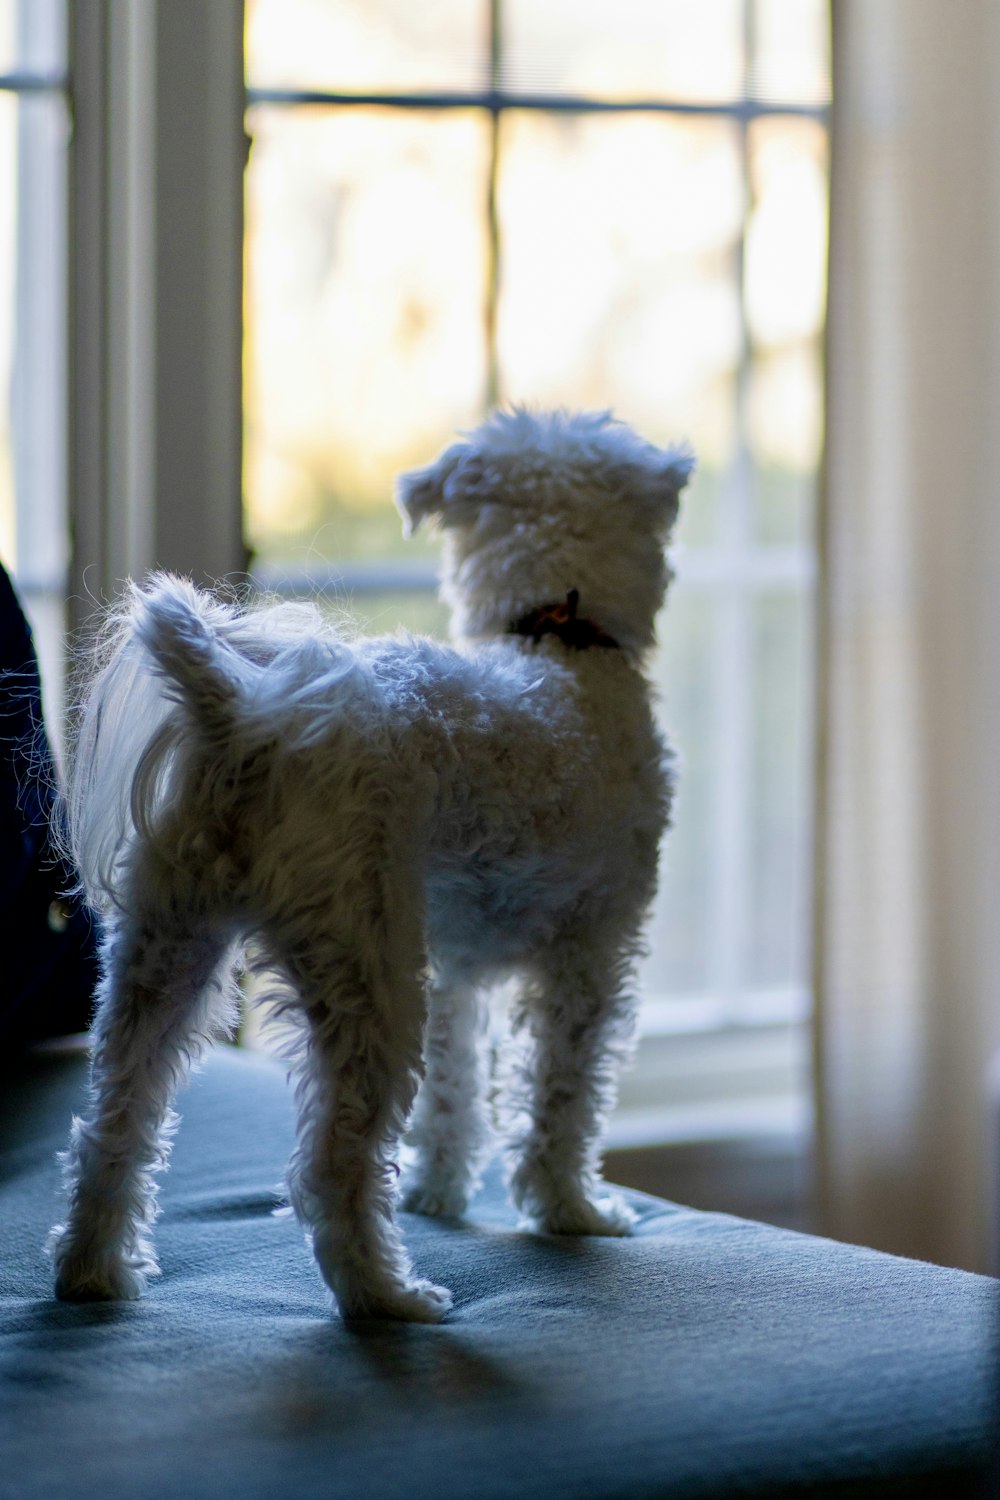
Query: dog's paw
<point x="410" y="1301"/>
<point x="609" y="1216"/>
<point x="86" y="1276"/>
<point x="435" y="1200"/>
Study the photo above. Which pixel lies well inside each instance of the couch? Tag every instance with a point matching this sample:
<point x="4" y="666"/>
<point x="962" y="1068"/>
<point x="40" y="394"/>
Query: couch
<point x="705" y="1356"/>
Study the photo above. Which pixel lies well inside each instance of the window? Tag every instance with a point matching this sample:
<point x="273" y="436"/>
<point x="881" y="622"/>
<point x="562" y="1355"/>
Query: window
<point x="576" y="203"/>
<point x="34" y="140"/>
<point x="447" y="204"/>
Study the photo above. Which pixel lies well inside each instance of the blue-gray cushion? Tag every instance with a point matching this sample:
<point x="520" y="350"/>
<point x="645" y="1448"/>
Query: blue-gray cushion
<point x="705" y="1356"/>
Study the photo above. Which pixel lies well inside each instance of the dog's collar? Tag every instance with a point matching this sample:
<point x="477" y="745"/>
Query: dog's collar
<point x="563" y="621"/>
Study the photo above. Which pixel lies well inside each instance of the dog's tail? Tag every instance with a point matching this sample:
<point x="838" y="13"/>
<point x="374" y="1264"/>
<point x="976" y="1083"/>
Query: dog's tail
<point x="158" y="673"/>
<point x="183" y="630"/>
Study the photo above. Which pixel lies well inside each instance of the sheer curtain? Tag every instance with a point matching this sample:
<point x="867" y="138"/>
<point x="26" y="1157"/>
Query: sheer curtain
<point x="908" y="951"/>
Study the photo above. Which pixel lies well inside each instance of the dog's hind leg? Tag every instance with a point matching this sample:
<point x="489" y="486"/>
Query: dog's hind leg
<point x="449" y="1128"/>
<point x="578" y="1007"/>
<point x="161" y="994"/>
<point x="356" y="1090"/>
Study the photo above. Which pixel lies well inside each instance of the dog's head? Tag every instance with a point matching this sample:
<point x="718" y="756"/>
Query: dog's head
<point x="533" y="505"/>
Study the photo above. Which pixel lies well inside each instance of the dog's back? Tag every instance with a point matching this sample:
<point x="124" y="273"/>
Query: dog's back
<point x="536" y="783"/>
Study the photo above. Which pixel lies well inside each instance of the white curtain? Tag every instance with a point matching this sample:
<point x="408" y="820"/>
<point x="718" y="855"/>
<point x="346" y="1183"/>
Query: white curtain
<point x="908" y="951"/>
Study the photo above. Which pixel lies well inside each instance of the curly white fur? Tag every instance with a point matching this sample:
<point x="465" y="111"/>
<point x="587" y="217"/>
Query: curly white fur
<point x="398" y="824"/>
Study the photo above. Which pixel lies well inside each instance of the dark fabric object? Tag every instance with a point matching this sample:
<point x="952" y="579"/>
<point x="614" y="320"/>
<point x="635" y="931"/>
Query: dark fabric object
<point x="706" y="1356"/>
<point x="48" y="942"/>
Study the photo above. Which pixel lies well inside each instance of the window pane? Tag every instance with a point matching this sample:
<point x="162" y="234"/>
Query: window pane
<point x="34" y="538"/>
<point x="785" y="273"/>
<point x="360" y="46"/>
<point x="381" y="612"/>
<point x="791" y="59"/>
<point x="625" y="49"/>
<point x="680" y="963"/>
<point x="780" y="801"/>
<point x="785" y="437"/>
<point x="8" y="35"/>
<point x="33" y="37"/>
<point x="621" y="242"/>
<point x="785" y="292"/>
<point x="366" y="335"/>
<point x="8" y="274"/>
<point x="614" y="295"/>
<point x="33" y="146"/>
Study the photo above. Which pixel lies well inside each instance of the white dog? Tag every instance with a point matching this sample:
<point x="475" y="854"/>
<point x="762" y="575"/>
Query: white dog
<point x="397" y="823"/>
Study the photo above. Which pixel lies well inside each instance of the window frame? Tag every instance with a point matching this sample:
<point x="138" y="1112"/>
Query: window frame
<point x="37" y="419"/>
<point x="736" y="569"/>
<point x="156" y="292"/>
<point x="155" y="344"/>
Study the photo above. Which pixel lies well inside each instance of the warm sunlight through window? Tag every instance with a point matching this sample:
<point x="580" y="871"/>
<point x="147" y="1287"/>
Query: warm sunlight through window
<point x="579" y="203"/>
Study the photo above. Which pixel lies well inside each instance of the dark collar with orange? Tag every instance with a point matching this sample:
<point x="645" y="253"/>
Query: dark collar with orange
<point x="563" y="621"/>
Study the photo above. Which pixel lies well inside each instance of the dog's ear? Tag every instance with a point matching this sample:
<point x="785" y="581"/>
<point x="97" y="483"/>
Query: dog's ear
<point x="657" y="484"/>
<point x="446" y="490"/>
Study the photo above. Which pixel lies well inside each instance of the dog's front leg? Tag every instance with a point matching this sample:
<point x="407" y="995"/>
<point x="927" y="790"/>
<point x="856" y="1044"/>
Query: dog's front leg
<point x="579" y="1013"/>
<point x="356" y="1090"/>
<point x="449" y="1129"/>
<point x="156" y="1002"/>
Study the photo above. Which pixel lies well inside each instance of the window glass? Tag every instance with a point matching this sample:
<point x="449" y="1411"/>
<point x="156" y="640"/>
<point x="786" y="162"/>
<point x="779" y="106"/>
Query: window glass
<point x="34" y="142"/>
<point x="33" y="39"/>
<point x="785" y="436"/>
<point x="8" y="271"/>
<point x="791" y="51"/>
<point x="376" y="611"/>
<point x="784" y="298"/>
<point x="366" y="320"/>
<point x="779" y="810"/>
<point x="407" y="265"/>
<point x="368" y="46"/>
<point x="681" y="959"/>
<point x="611" y="295"/>
<point x="8" y="35"/>
<point x="786" y="231"/>
<point x="625" y="49"/>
